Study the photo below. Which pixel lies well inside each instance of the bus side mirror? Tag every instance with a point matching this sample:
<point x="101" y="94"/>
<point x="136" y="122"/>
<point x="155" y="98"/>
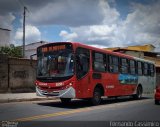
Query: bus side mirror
<point x="31" y="59"/>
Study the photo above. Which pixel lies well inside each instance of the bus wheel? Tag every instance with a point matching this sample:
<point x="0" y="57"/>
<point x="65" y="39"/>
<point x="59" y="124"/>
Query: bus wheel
<point x="96" y="99"/>
<point x="65" y="100"/>
<point x="138" y="94"/>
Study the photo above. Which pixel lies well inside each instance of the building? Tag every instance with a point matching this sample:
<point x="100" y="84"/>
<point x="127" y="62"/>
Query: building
<point x="147" y="47"/>
<point x="4" y="37"/>
<point x="30" y="49"/>
<point x="142" y="51"/>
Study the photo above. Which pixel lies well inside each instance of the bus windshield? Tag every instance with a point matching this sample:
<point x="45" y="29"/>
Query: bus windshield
<point x="55" y="63"/>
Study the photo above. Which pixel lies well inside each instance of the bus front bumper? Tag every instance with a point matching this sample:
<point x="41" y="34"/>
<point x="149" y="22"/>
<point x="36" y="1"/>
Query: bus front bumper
<point x="67" y="93"/>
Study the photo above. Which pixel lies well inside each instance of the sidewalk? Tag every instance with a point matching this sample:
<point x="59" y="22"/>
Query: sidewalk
<point x="19" y="97"/>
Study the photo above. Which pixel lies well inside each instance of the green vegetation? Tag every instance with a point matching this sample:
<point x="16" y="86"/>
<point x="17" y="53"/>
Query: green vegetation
<point x="11" y="51"/>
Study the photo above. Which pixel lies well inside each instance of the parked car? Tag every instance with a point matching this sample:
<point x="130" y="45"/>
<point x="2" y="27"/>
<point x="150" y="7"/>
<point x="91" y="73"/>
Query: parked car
<point x="157" y="95"/>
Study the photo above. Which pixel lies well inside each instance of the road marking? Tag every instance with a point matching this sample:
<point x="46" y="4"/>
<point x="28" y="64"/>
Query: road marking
<point x="100" y="107"/>
<point x="52" y="114"/>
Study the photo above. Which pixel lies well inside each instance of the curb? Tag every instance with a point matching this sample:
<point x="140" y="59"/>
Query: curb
<point x="25" y="99"/>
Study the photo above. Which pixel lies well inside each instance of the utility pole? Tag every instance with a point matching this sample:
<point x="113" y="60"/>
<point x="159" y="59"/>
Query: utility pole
<point x="24" y="18"/>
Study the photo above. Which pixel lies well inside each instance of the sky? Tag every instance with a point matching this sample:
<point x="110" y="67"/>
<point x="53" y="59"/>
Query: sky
<point x="99" y="23"/>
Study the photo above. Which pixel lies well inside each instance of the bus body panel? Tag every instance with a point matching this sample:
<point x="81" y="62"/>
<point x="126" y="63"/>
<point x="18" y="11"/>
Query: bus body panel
<point x="114" y="84"/>
<point x="84" y="87"/>
<point x="111" y="85"/>
<point x="148" y="84"/>
<point x="57" y="89"/>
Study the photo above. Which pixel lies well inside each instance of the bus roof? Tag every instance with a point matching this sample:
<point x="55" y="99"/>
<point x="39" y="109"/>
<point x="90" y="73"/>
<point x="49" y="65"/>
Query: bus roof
<point x="78" y="44"/>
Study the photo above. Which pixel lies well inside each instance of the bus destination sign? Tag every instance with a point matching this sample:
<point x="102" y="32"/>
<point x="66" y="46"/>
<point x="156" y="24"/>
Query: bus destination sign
<point x="53" y="48"/>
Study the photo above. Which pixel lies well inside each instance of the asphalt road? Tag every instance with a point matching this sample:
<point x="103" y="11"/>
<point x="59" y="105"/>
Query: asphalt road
<point x="123" y="109"/>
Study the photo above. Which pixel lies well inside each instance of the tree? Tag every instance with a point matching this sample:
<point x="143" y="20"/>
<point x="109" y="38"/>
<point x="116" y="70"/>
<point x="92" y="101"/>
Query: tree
<point x="11" y="51"/>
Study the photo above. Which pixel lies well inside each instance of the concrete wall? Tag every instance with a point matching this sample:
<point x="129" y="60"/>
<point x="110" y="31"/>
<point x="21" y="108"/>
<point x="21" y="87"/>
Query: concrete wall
<point x="21" y="74"/>
<point x="3" y="73"/>
<point x="17" y="75"/>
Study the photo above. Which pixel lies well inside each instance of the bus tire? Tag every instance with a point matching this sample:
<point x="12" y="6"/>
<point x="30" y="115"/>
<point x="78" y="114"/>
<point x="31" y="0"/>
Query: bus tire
<point x="157" y="102"/>
<point x="96" y="99"/>
<point x="138" y="94"/>
<point x="65" y="100"/>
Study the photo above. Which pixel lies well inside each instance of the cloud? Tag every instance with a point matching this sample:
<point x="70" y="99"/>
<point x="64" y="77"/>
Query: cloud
<point x="65" y="12"/>
<point x="95" y="22"/>
<point x="157" y="45"/>
<point x="83" y="15"/>
<point x="32" y="35"/>
<point x="101" y="35"/>
<point x="10" y="8"/>
<point x="111" y="15"/>
<point x="141" y="26"/>
<point x="68" y="36"/>
<point x="69" y="12"/>
<point x="6" y="20"/>
<point x="7" y="9"/>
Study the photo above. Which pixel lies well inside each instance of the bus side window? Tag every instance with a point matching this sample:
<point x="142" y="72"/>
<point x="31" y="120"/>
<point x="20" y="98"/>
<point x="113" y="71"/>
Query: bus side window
<point x="124" y="66"/>
<point x="146" y="69"/>
<point x="151" y="69"/>
<point x="99" y="62"/>
<point x="113" y="64"/>
<point x="107" y="62"/>
<point x="110" y="64"/>
<point x="82" y="62"/>
<point x="139" y="66"/>
<point x="132" y="66"/>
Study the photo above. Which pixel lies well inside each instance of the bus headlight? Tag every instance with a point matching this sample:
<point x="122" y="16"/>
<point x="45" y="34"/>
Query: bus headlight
<point x="69" y="85"/>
